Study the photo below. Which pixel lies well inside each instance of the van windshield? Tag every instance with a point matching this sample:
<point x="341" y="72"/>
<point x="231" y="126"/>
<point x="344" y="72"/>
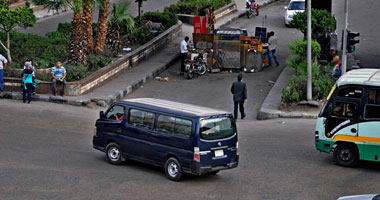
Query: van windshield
<point x="216" y="128"/>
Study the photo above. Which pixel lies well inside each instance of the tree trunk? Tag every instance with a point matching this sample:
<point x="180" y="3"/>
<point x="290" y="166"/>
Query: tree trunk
<point x="87" y="26"/>
<point x="114" y="37"/>
<point x="77" y="55"/>
<point x="8" y="47"/>
<point x="101" y="32"/>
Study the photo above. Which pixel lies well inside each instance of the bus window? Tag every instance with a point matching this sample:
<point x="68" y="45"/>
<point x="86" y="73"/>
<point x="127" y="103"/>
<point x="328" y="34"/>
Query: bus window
<point x="344" y="110"/>
<point x="372" y="107"/>
<point x="351" y="92"/>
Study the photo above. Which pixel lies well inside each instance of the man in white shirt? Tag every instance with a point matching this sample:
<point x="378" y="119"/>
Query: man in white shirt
<point x="3" y="67"/>
<point x="184" y="51"/>
<point x="272" y="48"/>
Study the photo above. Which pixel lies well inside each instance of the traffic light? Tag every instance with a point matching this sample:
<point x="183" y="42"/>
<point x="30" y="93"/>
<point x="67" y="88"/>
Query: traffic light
<point x="351" y="41"/>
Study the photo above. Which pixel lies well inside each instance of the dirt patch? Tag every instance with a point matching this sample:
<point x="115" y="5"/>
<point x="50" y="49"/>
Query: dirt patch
<point x="304" y="108"/>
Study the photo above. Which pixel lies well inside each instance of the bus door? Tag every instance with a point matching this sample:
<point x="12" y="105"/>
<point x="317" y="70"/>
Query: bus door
<point x="370" y="125"/>
<point x="342" y="117"/>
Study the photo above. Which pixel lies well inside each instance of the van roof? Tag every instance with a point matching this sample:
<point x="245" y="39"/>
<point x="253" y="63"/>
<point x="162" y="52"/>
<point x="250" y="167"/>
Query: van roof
<point x="360" y="77"/>
<point x="180" y="108"/>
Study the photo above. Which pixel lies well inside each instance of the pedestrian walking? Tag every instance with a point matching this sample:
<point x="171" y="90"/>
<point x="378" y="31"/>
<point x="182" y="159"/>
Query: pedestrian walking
<point x="184" y="51"/>
<point x="59" y="76"/>
<point x="27" y="80"/>
<point x="28" y="63"/>
<point x="272" y="48"/>
<point x="239" y="92"/>
<point x="3" y="67"/>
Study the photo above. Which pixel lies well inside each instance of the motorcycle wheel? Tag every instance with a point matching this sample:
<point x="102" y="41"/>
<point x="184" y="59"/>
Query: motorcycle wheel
<point x="190" y="74"/>
<point x="202" y="69"/>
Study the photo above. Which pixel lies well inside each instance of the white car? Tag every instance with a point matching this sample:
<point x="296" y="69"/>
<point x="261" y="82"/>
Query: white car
<point x="361" y="197"/>
<point x="293" y="7"/>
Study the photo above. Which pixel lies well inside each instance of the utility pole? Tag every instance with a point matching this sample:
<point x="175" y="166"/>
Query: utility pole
<point x="344" y="55"/>
<point x="309" y="86"/>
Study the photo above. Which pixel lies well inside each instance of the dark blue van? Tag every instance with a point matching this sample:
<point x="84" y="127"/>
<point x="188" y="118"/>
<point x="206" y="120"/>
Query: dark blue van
<point x="179" y="137"/>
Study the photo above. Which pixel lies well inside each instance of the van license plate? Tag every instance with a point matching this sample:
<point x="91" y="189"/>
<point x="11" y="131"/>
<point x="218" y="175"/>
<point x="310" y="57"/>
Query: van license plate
<point x="219" y="153"/>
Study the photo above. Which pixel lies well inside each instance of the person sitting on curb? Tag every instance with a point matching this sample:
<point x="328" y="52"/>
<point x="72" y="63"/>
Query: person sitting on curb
<point x="58" y="74"/>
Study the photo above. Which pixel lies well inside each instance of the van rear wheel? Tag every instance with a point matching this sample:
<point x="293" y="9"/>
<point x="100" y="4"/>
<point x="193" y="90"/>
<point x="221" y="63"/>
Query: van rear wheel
<point x="173" y="169"/>
<point x="113" y="154"/>
<point x="346" y="155"/>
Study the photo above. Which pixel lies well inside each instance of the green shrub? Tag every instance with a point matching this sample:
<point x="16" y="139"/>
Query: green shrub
<point x="95" y="62"/>
<point x="167" y="19"/>
<point x="193" y="7"/>
<point x="44" y="51"/>
<point x="322" y="22"/>
<point x="299" y="48"/>
<point x="64" y="28"/>
<point x="74" y="73"/>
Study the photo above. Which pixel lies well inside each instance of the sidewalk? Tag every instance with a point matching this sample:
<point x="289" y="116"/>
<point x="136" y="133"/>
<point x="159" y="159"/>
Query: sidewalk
<point x="128" y="81"/>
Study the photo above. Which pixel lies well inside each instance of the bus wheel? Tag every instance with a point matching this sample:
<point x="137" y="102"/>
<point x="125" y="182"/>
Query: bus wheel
<point x="173" y="169"/>
<point x="346" y="155"/>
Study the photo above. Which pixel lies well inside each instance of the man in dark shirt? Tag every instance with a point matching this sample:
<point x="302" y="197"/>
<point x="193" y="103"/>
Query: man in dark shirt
<point x="239" y="92"/>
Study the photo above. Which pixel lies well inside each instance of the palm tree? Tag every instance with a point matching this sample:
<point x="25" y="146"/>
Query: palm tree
<point x="102" y="27"/>
<point x="77" y="55"/>
<point x="119" y="16"/>
<point x="87" y="25"/>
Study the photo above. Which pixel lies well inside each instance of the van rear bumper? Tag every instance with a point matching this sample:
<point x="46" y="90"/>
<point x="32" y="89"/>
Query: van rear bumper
<point x="197" y="169"/>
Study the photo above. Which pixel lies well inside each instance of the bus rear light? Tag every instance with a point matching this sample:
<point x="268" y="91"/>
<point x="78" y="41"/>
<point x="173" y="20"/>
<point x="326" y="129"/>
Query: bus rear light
<point x="197" y="156"/>
<point x="316" y="136"/>
<point x="237" y="148"/>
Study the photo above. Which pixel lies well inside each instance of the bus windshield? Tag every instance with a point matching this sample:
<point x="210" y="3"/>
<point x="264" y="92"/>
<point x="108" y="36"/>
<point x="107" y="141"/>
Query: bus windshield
<point x="216" y="128"/>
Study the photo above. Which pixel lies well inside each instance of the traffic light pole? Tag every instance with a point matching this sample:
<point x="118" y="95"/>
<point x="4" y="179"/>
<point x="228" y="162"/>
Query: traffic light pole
<point x="344" y="55"/>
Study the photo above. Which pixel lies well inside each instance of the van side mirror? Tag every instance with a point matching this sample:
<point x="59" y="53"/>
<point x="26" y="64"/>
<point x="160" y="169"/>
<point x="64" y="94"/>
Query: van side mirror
<point x="101" y="114"/>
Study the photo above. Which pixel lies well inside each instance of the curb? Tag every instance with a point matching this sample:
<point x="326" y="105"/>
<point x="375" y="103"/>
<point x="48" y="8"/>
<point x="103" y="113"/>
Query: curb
<point x="106" y="101"/>
<point x="242" y="13"/>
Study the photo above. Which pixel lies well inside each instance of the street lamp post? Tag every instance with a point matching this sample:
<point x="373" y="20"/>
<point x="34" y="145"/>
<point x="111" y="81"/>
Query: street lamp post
<point x="309" y="84"/>
<point x="344" y="55"/>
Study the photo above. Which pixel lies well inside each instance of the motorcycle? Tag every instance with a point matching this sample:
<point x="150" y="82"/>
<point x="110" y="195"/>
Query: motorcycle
<point x="195" y="67"/>
<point x="252" y="8"/>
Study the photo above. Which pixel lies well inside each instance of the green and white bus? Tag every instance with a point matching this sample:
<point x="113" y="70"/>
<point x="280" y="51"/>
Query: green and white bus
<point x="349" y="122"/>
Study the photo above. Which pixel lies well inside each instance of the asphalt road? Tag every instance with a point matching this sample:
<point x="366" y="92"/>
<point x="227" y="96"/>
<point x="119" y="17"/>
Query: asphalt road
<point x="362" y="17"/>
<point x="50" y="24"/>
<point x="214" y="89"/>
<point x="46" y="150"/>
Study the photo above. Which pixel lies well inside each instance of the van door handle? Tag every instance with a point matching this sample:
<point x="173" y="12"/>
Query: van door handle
<point x="353" y="130"/>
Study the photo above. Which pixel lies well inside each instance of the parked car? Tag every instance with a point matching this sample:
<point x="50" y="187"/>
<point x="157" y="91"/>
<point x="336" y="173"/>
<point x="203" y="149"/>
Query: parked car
<point x="293" y="7"/>
<point x="361" y="197"/>
<point x="179" y="137"/>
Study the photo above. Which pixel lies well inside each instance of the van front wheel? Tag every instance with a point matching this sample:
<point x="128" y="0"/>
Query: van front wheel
<point x="113" y="154"/>
<point x="346" y="155"/>
<point x="173" y="169"/>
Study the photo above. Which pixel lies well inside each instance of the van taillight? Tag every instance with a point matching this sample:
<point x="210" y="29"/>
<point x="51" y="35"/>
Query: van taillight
<point x="197" y="157"/>
<point x="237" y="148"/>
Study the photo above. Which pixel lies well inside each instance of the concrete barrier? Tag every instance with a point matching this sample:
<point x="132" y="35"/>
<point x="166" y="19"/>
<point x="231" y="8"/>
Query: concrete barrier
<point x="219" y="13"/>
<point x="105" y="74"/>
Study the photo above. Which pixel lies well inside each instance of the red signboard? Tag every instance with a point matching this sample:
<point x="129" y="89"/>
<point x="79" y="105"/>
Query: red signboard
<point x="200" y="24"/>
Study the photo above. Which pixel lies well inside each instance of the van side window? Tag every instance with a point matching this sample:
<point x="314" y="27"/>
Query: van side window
<point x="116" y="113"/>
<point x="372" y="107"/>
<point x="141" y="119"/>
<point x="182" y="127"/>
<point x="351" y="92"/>
<point x="173" y="125"/>
<point x="165" y="124"/>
